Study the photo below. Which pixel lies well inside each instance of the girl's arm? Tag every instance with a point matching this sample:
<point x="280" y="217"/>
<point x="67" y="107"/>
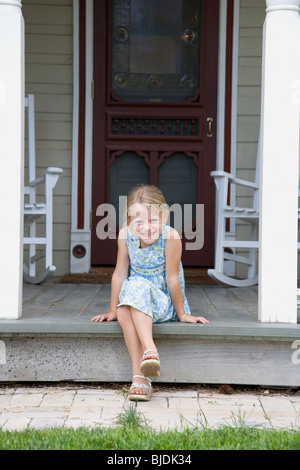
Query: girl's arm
<point x="120" y="272"/>
<point x="119" y="275"/>
<point x="173" y="252"/>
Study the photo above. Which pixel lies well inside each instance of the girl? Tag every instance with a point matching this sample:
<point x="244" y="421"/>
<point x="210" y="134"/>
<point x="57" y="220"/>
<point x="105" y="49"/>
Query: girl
<point x="147" y="284"/>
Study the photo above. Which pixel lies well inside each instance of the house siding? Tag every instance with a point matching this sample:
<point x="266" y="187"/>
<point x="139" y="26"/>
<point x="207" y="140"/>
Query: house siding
<point x="49" y="76"/>
<point x="252" y="16"/>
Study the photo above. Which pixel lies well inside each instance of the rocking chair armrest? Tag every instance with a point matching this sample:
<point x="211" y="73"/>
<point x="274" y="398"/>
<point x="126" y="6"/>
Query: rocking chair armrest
<point x="249" y="184"/>
<point x="37" y="181"/>
<point x="48" y="171"/>
<point x="53" y="171"/>
<point x="222" y="174"/>
<point x="233" y="179"/>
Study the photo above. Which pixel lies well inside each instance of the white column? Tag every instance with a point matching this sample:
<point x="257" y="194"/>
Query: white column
<point x="11" y="157"/>
<point x="279" y="163"/>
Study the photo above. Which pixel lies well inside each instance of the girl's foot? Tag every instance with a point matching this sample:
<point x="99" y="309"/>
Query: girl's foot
<point x="150" y="364"/>
<point x="141" y="389"/>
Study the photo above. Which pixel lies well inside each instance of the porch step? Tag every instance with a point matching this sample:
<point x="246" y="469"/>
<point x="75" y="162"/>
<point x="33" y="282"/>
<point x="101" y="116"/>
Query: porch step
<point x="217" y="356"/>
<point x="238" y="330"/>
<point x="56" y="341"/>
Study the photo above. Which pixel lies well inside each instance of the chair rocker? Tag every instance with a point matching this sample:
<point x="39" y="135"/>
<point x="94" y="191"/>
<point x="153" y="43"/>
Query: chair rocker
<point x="35" y="209"/>
<point x="226" y="243"/>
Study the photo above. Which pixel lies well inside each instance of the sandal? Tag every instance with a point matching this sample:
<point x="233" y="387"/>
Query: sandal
<point x="148" y="388"/>
<point x="150" y="367"/>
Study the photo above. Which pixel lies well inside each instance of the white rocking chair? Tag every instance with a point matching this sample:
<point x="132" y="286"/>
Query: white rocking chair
<point x="34" y="209"/>
<point x="226" y="242"/>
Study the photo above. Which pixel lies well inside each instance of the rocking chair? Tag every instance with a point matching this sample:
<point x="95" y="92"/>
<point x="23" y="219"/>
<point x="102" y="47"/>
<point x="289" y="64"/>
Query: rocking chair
<point x="34" y="209"/>
<point x="226" y="241"/>
<point x="226" y="244"/>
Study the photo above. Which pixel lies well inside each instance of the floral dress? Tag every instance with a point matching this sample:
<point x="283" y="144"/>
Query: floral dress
<point x="146" y="288"/>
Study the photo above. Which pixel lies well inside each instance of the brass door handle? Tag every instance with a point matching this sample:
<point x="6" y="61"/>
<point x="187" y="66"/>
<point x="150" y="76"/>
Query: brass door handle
<point x="209" y="121"/>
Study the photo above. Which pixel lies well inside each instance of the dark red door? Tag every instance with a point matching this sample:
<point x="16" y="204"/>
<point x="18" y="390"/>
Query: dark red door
<point x="155" y="79"/>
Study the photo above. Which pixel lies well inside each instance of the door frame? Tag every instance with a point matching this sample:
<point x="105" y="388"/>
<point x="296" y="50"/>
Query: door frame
<point x="81" y="178"/>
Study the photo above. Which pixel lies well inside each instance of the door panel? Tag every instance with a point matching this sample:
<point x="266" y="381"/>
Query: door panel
<point x="155" y="72"/>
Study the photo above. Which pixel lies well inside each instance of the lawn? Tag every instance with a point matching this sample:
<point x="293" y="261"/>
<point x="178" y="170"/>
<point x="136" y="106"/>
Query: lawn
<point x="135" y="438"/>
<point x="132" y="432"/>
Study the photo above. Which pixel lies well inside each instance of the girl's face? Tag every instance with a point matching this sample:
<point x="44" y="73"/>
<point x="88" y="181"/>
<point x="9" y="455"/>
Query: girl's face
<point x="146" y="223"/>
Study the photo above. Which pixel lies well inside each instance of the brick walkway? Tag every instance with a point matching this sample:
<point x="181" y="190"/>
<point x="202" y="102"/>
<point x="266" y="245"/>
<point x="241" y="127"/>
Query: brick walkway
<point x="41" y="407"/>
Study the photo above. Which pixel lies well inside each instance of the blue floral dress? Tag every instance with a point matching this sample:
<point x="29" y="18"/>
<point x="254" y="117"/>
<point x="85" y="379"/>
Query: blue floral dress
<point x="146" y="288"/>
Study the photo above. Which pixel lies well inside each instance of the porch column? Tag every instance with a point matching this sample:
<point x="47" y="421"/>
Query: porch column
<point x="279" y="163"/>
<point x="11" y="152"/>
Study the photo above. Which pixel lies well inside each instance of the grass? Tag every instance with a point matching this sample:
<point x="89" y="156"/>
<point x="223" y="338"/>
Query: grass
<point x="132" y="432"/>
<point x="129" y="438"/>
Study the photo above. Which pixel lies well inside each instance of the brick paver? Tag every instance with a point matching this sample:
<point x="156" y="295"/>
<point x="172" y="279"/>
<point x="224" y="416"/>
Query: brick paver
<point x="41" y="407"/>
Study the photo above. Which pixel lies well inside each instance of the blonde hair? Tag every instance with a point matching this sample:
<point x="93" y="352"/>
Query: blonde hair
<point x="148" y="196"/>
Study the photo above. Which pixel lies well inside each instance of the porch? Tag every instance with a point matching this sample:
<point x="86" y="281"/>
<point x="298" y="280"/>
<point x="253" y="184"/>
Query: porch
<point x="54" y="340"/>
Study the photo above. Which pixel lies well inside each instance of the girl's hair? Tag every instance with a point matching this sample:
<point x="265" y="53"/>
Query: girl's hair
<point x="147" y="195"/>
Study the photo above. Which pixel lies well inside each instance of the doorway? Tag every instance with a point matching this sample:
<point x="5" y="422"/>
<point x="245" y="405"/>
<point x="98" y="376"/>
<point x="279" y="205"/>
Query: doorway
<point x="155" y="112"/>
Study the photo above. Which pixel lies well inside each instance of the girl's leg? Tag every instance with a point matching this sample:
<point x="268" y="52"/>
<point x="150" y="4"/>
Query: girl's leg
<point x="133" y="344"/>
<point x="143" y="326"/>
<point x="131" y="338"/>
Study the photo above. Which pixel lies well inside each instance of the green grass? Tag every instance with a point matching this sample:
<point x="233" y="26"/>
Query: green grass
<point x="132" y="432"/>
<point x="133" y="438"/>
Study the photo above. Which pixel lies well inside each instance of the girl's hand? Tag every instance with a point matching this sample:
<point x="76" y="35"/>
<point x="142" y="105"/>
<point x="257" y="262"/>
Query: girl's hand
<point x="185" y="318"/>
<point x="110" y="316"/>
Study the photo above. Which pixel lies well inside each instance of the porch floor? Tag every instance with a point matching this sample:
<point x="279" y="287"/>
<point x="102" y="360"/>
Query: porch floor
<point x="68" y="308"/>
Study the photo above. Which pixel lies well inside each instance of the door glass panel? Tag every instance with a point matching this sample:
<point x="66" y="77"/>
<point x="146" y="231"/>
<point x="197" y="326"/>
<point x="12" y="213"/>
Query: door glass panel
<point x="126" y="171"/>
<point x="178" y="180"/>
<point x="155" y="50"/>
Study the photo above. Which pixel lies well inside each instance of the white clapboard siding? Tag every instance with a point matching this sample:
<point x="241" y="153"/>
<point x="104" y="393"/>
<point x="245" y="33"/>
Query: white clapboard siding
<point x="49" y="76"/>
<point x="252" y="16"/>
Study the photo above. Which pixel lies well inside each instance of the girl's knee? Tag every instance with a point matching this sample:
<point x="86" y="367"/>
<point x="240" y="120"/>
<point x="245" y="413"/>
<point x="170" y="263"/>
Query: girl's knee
<point x="123" y="314"/>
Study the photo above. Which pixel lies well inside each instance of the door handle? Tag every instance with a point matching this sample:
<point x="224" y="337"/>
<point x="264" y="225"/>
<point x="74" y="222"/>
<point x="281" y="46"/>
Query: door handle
<point x="209" y="122"/>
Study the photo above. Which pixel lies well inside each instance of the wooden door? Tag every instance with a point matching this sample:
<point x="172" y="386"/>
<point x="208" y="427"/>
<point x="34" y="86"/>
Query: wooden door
<point x="155" y="100"/>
